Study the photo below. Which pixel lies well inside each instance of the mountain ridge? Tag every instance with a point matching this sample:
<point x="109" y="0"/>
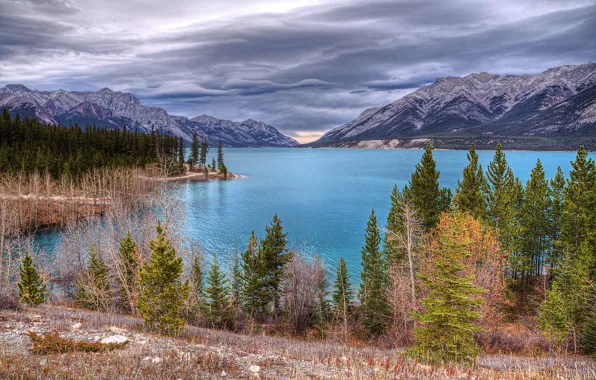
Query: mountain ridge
<point x="482" y="103"/>
<point x="115" y="109"/>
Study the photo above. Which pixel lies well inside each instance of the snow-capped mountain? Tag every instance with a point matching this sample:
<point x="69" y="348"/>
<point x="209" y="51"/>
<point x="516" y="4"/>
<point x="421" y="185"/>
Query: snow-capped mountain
<point x="112" y="109"/>
<point x="558" y="102"/>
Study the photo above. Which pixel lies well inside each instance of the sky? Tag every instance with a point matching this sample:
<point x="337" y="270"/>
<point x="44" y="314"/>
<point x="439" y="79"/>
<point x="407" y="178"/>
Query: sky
<point x="302" y="66"/>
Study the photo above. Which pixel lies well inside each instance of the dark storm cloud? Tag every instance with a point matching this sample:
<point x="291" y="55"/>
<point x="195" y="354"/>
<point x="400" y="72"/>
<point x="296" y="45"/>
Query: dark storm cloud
<point x="301" y="69"/>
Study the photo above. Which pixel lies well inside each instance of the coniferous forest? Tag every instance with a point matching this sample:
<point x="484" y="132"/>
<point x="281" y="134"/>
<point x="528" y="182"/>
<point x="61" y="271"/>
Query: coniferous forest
<point x="29" y="146"/>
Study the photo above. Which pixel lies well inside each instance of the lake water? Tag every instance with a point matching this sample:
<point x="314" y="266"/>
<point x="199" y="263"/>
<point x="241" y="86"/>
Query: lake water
<point x="323" y="196"/>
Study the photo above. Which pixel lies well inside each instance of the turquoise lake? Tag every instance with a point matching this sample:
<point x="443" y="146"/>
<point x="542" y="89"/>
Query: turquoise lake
<point x="323" y="196"/>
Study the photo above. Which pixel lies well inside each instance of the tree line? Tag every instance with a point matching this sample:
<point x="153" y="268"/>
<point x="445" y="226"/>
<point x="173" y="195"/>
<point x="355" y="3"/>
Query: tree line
<point x="448" y="268"/>
<point x="30" y="146"/>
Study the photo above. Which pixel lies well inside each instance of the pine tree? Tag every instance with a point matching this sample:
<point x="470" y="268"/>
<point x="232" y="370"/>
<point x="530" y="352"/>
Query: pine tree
<point x="31" y="287"/>
<point x="220" y="156"/>
<point x="499" y="195"/>
<point x="213" y="165"/>
<point x="224" y="171"/>
<point x="557" y="191"/>
<point x="275" y="258"/>
<point x="204" y="151"/>
<point x="588" y="338"/>
<point x="578" y="219"/>
<point x="373" y="281"/>
<point x="128" y="273"/>
<point x="447" y="325"/>
<point x="94" y="285"/>
<point x="253" y="279"/>
<point x="552" y="317"/>
<point x="395" y="227"/>
<point x="194" y="150"/>
<point x="423" y="190"/>
<point x="535" y="227"/>
<point x="343" y="294"/>
<point x="196" y="295"/>
<point x="162" y="292"/>
<point x="217" y="305"/>
<point x="469" y="193"/>
<point x="236" y="281"/>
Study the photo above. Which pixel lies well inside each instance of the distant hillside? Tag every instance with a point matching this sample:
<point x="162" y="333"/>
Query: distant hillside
<point x="551" y="110"/>
<point x="111" y="109"/>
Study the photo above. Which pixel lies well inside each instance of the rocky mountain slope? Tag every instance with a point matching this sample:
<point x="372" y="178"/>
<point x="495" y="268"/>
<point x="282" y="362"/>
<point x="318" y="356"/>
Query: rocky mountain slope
<point x="111" y="109"/>
<point x="558" y="103"/>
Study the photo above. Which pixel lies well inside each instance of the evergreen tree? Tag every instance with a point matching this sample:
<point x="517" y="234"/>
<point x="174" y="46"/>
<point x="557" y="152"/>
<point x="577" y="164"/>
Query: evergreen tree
<point x="128" y="273"/>
<point x="373" y="281"/>
<point x="94" y="285"/>
<point x="588" y="338"/>
<point x="224" y="171"/>
<point x="395" y="227"/>
<point x="217" y="305"/>
<point x="196" y="295"/>
<point x="552" y="317"/>
<point x="236" y="281"/>
<point x="194" y="150"/>
<point x="499" y="195"/>
<point x="447" y="325"/>
<point x="343" y="294"/>
<point x="535" y="226"/>
<point x="162" y="292"/>
<point x="220" y="156"/>
<point x="253" y="279"/>
<point x="204" y="151"/>
<point x="578" y="220"/>
<point x="275" y="259"/>
<point x="469" y="193"/>
<point x="213" y="165"/>
<point x="557" y="191"/>
<point x="31" y="287"/>
<point x="423" y="190"/>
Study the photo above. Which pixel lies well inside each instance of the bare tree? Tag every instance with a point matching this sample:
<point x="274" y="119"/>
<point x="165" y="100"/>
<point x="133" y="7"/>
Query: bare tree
<point x="302" y="290"/>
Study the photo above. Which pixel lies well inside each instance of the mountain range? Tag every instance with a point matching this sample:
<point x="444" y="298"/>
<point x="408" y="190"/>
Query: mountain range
<point x="551" y="110"/>
<point x="113" y="109"/>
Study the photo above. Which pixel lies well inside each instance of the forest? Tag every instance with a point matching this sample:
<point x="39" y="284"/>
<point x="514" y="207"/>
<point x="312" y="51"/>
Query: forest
<point x="30" y="146"/>
<point x="497" y="265"/>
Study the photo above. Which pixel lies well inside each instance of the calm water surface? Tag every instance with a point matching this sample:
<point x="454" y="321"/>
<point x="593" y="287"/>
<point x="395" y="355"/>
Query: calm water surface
<point x="323" y="196"/>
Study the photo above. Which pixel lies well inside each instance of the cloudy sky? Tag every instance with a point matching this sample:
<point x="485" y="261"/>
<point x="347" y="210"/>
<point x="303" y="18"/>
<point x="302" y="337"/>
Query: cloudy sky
<point x="301" y="66"/>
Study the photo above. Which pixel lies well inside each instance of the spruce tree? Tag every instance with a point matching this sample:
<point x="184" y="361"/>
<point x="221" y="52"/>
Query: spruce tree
<point x="275" y="257"/>
<point x="194" y="150"/>
<point x="236" y="281"/>
<point x="129" y="262"/>
<point x="469" y="193"/>
<point x="552" y="317"/>
<point x="163" y="293"/>
<point x="395" y="227"/>
<point x="31" y="287"/>
<point x="343" y="294"/>
<point x="196" y="295"/>
<point x="448" y="322"/>
<point x="588" y="338"/>
<point x="373" y="281"/>
<point x="220" y="156"/>
<point x="213" y="167"/>
<point x="557" y="191"/>
<point x="578" y="220"/>
<point x="224" y="171"/>
<point x="423" y="190"/>
<point x="500" y="181"/>
<point x="94" y="285"/>
<point x="253" y="279"/>
<point x="217" y="305"/>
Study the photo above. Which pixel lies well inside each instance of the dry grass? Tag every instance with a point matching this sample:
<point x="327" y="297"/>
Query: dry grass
<point x="52" y="343"/>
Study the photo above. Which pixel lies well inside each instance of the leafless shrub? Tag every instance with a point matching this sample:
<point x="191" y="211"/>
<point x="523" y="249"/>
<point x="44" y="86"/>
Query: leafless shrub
<point x="303" y="282"/>
<point x="8" y="299"/>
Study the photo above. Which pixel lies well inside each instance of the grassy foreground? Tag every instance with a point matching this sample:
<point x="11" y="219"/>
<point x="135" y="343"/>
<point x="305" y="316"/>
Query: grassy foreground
<point x="202" y="353"/>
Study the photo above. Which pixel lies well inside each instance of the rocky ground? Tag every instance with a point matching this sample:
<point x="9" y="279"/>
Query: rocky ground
<point x="202" y="353"/>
